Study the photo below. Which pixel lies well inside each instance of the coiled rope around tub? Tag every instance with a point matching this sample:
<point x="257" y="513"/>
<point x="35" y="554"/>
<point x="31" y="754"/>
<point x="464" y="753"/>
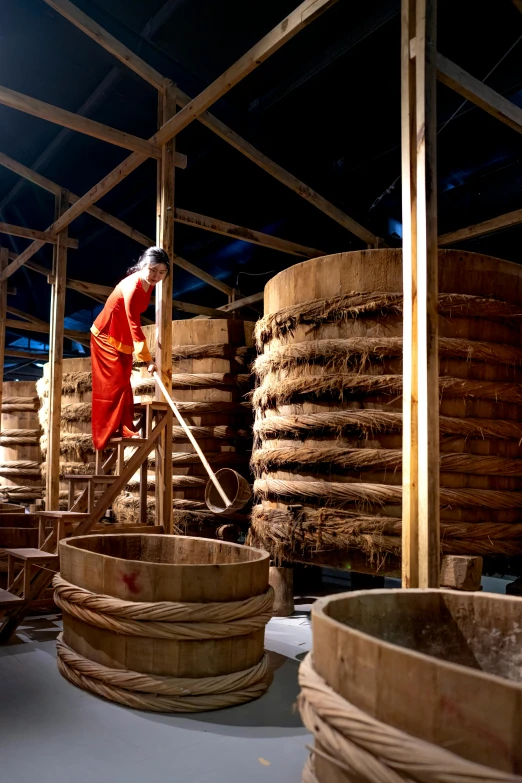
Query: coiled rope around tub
<point x="373" y="752"/>
<point x="165" y="619"/>
<point x="163" y="694"/>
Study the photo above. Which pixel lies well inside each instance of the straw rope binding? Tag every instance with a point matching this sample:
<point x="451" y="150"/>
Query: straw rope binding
<point x="372" y="751"/>
<point x="163" y="694"/>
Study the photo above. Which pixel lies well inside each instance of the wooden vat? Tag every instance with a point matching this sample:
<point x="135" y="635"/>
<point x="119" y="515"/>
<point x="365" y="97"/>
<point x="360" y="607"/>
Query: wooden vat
<point x="20" y="455"/>
<point x="328" y="410"/>
<point x="198" y="609"/>
<point x="211" y="378"/>
<point x="76" y="448"/>
<point x="439" y="666"/>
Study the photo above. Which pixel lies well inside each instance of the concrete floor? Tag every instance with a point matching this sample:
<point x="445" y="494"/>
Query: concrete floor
<point x="52" y="732"/>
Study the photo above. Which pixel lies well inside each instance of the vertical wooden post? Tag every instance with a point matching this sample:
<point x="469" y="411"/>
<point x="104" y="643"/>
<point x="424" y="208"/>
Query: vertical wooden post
<point x="4" y="261"/>
<point x="420" y="516"/>
<point x="58" y="289"/>
<point x="165" y="239"/>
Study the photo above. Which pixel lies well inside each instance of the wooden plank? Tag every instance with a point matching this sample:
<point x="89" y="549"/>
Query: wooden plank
<point x="4" y="261"/>
<point x="165" y="239"/>
<point x="474" y="90"/>
<point x="481" y="229"/>
<point x="58" y="289"/>
<point x="67" y="119"/>
<point x="461" y="572"/>
<point x="26" y="354"/>
<point x="202" y="275"/>
<point x="410" y="529"/>
<point x="33" y="233"/>
<point x="427" y="294"/>
<point x="111" y="44"/>
<point x="245" y="234"/>
<point x="139" y="66"/>
<point x="289" y="27"/>
<point x="420" y="524"/>
<point x="244" y="302"/>
<point x="44" y="328"/>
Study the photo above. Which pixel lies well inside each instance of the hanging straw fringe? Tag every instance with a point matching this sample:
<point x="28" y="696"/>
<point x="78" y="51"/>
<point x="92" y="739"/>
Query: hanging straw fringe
<point x="374" y="752"/>
<point x="322" y="459"/>
<point x="373" y="421"/>
<point x="344" y="307"/>
<point x="356" y="353"/>
<point x="276" y="391"/>
<point x="338" y="494"/>
<point x="163" y="694"/>
<point x="72" y="383"/>
<point x="237" y="353"/>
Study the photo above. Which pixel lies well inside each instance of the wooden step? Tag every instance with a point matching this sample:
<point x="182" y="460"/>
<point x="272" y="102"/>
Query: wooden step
<point x="7" y="599"/>
<point x="97" y="479"/>
<point x="31" y="555"/>
<point x="126" y="441"/>
<point x="79" y="515"/>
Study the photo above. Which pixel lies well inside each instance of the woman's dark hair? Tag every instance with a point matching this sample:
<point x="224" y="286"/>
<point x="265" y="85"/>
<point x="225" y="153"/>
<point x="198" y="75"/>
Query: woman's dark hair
<point x="149" y="257"/>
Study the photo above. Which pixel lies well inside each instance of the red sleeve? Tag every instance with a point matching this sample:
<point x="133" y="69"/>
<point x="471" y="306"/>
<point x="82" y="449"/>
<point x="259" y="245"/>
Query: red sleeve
<point x="133" y="299"/>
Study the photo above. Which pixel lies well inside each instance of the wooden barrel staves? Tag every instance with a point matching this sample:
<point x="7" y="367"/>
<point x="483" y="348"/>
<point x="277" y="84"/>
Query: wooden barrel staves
<point x="423" y="686"/>
<point x="328" y="410"/>
<point x="20" y="455"/>
<point x="164" y="623"/>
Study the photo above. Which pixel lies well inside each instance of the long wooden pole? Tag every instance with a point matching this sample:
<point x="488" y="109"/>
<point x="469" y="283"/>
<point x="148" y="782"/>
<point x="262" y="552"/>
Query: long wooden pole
<point x="194" y="442"/>
<point x="421" y="509"/>
<point x="165" y="239"/>
<point x="58" y="289"/>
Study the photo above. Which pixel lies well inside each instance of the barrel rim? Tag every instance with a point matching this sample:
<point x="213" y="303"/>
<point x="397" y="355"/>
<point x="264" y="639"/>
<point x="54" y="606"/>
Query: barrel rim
<point x="262" y="554"/>
<point x="319" y="613"/>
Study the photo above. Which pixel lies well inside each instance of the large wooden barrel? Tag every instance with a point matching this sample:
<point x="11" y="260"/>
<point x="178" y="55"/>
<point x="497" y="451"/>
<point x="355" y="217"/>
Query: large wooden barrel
<point x="211" y="378"/>
<point x="328" y="409"/>
<point x="417" y="685"/>
<point x="20" y="455"/>
<point x="76" y="448"/>
<point x="147" y="615"/>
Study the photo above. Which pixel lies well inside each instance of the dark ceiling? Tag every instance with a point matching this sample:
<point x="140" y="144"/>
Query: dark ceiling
<point x="326" y="107"/>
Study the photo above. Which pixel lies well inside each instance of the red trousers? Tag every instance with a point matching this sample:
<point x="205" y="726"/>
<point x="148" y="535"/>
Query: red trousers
<point x="112" y="399"/>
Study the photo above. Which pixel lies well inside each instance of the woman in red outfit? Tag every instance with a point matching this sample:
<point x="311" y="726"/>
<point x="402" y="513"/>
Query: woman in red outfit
<point x="114" y="335"/>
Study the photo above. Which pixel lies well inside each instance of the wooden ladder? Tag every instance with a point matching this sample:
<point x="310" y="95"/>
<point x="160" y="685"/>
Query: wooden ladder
<point x="38" y="566"/>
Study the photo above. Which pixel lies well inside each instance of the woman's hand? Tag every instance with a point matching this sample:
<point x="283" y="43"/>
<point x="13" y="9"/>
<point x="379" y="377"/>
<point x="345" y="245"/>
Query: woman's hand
<point x="152" y="368"/>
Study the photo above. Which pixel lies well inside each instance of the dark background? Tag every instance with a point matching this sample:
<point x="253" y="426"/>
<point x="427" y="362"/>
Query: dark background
<point x="326" y="107"/>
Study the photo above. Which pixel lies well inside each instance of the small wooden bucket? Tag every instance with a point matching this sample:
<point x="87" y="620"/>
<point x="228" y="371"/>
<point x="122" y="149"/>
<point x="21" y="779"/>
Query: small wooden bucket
<point x="236" y="488"/>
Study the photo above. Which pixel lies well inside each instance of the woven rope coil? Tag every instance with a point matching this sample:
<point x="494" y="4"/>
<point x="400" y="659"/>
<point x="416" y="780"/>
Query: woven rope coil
<point x="165" y="620"/>
<point x="19" y="437"/>
<point x="163" y="694"/>
<point x="374" y="752"/>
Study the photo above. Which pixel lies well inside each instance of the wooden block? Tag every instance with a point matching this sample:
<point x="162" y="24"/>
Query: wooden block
<point x="282" y="582"/>
<point x="461" y="572"/>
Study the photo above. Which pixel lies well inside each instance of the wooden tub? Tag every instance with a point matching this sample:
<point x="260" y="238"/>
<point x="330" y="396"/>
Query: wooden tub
<point x="440" y="666"/>
<point x="168" y="608"/>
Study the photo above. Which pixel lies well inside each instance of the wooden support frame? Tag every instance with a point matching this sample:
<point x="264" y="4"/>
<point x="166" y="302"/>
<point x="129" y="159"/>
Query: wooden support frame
<point x="420" y="488"/>
<point x="4" y="261"/>
<point x="140" y="67"/>
<point x="508" y="220"/>
<point x="44" y="328"/>
<point x="67" y="119"/>
<point x="33" y="233"/>
<point x="477" y="92"/>
<point x="165" y="239"/>
<point x="59" y="275"/>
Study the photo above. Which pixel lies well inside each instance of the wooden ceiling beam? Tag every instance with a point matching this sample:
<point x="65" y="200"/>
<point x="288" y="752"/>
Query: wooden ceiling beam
<point x="139" y="66"/>
<point x="244" y="234"/>
<point x="72" y="334"/>
<point x="244" y="302"/>
<point x="306" y="13"/>
<point x="507" y="220"/>
<point x="67" y="119"/>
<point x="88" y="26"/>
<point x="477" y="92"/>
<point x="33" y="233"/>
